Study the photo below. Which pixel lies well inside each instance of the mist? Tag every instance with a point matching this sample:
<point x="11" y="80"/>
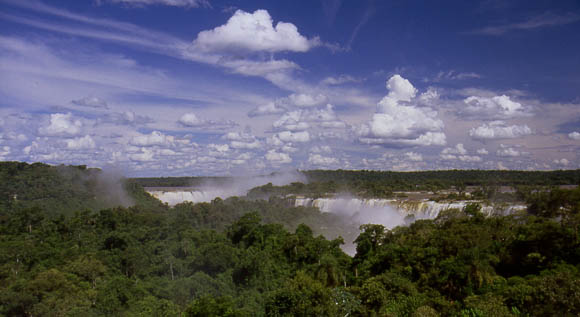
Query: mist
<point x="235" y="186"/>
<point x="353" y="212"/>
<point x="107" y="184"/>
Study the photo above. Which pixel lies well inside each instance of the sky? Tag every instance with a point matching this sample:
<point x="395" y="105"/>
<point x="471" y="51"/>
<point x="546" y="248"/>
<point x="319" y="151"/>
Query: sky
<point x="208" y="87"/>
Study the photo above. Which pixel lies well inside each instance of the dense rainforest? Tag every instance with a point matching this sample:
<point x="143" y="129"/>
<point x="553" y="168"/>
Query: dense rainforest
<point x="69" y="246"/>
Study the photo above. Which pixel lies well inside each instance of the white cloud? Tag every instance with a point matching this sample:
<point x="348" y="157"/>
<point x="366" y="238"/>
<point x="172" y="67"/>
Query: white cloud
<point x="482" y="152"/>
<point x="506" y="150"/>
<point x="563" y="162"/>
<point x="191" y="120"/>
<point x="274" y="141"/>
<point x="81" y="143"/>
<point x="267" y="109"/>
<point x="291" y="121"/>
<point x="458" y="149"/>
<point x="458" y="153"/>
<point x="218" y="149"/>
<point x="253" y="32"/>
<point x="321" y="149"/>
<point x="415" y="157"/>
<point x="255" y="144"/>
<point x="498" y="130"/>
<point x="397" y="121"/>
<point x="306" y="100"/>
<point x="146" y="155"/>
<point x="342" y="79"/>
<point x="469" y="158"/>
<point x="303" y="119"/>
<point x="288" y="136"/>
<point x="288" y="148"/>
<point x="61" y="124"/>
<point x="497" y="107"/>
<point x="317" y="159"/>
<point x="574" y="135"/>
<point x="155" y="138"/>
<point x="277" y="157"/>
<point x="174" y="3"/>
<point x="92" y="102"/>
<point x="4" y="152"/>
<point x="448" y="157"/>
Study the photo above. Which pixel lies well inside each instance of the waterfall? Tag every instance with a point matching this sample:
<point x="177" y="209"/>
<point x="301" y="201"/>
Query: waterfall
<point x="418" y="209"/>
<point x="173" y="197"/>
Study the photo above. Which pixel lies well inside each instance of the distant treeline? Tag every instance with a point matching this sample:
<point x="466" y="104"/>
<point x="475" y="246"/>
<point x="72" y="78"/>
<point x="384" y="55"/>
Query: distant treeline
<point x="185" y="181"/>
<point x="384" y="183"/>
<point x="446" y="179"/>
<point x="402" y="180"/>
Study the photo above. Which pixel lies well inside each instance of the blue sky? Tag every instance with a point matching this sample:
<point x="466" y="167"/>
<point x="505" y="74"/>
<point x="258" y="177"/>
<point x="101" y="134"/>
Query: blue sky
<point x="196" y="87"/>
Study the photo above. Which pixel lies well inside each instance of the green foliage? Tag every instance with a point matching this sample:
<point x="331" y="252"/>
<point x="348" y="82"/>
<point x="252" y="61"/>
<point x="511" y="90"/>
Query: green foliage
<point x="63" y="255"/>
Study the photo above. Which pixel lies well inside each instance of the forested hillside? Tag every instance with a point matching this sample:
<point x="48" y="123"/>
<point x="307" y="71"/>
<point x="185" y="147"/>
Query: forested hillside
<point x="239" y="257"/>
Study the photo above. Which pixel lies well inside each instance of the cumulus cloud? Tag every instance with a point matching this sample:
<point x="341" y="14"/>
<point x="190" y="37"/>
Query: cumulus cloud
<point x="267" y="109"/>
<point x="191" y="120"/>
<point x="91" y="102"/>
<point x="321" y="149"/>
<point x="302" y="119"/>
<point x="81" y="143"/>
<point x="4" y="152"/>
<point x="508" y="151"/>
<point x="415" y="157"/>
<point x="291" y="121"/>
<point x="288" y="148"/>
<point x="458" y="153"/>
<point x="288" y="136"/>
<point x="242" y="140"/>
<point x="494" y="108"/>
<point x="482" y="152"/>
<point x="574" y="135"/>
<point x="499" y="130"/>
<point x="218" y="149"/>
<point x="469" y="158"/>
<point x="253" y="32"/>
<point x="317" y="159"/>
<point x="563" y="162"/>
<point x="277" y="157"/>
<point x="146" y="155"/>
<point x="458" y="149"/>
<point x="61" y="124"/>
<point x="154" y="138"/>
<point x="398" y="121"/>
<point x="126" y="117"/>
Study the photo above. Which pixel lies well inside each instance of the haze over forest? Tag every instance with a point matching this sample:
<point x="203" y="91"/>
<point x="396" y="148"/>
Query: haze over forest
<point x="214" y="87"/>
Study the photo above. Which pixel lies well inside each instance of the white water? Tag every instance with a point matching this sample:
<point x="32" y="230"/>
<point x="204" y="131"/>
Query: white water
<point x="173" y="198"/>
<point x="363" y="209"/>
